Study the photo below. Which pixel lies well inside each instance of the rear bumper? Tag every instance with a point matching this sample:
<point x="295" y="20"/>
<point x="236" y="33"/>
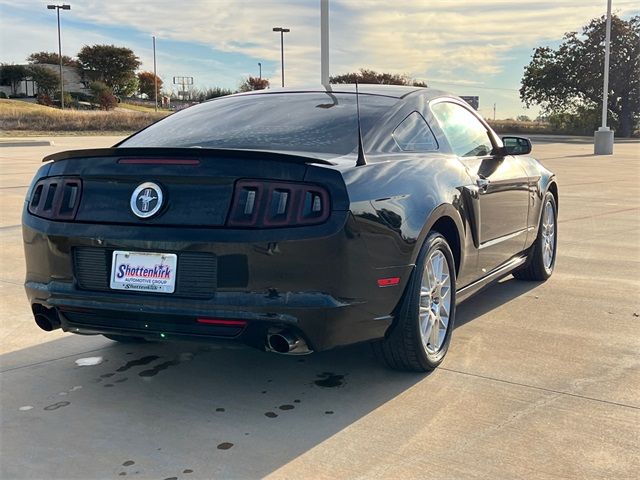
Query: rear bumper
<point x="322" y="320"/>
<point x="318" y="282"/>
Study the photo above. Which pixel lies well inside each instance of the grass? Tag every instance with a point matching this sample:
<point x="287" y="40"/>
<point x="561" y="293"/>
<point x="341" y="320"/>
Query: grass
<point x="141" y="108"/>
<point x="22" y="118"/>
<point x="514" y="126"/>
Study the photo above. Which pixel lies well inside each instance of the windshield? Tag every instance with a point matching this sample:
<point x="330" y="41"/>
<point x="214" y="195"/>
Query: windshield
<point x="323" y="123"/>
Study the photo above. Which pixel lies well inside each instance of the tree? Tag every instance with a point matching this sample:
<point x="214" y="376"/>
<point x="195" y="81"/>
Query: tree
<point x="209" y="93"/>
<point x="253" y="83"/>
<point x="51" y="58"/>
<point x="12" y="75"/>
<point x="523" y="118"/>
<point x="568" y="80"/>
<point x="48" y="82"/>
<point x="147" y="84"/>
<point x="103" y="96"/>
<point x="371" y="76"/>
<point x="111" y="65"/>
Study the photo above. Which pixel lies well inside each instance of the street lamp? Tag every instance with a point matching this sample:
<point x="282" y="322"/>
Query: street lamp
<point x="282" y="32"/>
<point x="603" y="137"/>
<point x="58" y="8"/>
<point x="260" y="70"/>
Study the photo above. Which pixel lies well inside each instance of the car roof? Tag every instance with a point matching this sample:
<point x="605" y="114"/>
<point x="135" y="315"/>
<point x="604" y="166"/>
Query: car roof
<point x="394" y="91"/>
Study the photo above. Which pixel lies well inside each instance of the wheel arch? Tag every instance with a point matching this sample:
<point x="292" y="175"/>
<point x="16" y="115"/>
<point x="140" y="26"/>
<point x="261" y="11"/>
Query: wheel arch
<point x="553" y="188"/>
<point x="446" y="220"/>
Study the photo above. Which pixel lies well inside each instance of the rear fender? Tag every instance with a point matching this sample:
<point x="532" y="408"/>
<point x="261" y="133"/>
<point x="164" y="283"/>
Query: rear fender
<point x="446" y="210"/>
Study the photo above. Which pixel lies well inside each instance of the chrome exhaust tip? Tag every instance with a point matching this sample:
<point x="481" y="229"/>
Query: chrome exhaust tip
<point x="287" y="343"/>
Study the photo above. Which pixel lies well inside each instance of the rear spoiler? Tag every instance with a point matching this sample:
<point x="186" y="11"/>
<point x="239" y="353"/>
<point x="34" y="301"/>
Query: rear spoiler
<point x="190" y="153"/>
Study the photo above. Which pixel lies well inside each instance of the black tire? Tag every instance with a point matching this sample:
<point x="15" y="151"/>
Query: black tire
<point x="403" y="348"/>
<point x="535" y="268"/>
<point x="125" y="338"/>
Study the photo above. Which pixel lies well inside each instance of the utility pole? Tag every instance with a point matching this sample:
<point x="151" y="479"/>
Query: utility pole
<point x="282" y="32"/>
<point x="603" y="137"/>
<point x="324" y="42"/>
<point x="155" y="74"/>
<point x="494" y="112"/>
<point x="58" y="8"/>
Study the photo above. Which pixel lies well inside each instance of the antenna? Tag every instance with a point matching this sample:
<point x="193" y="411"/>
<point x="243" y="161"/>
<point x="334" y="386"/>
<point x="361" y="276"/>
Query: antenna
<point x="361" y="159"/>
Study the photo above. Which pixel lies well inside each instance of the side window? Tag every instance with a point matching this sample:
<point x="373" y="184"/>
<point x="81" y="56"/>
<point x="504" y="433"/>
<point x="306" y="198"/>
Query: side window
<point x="466" y="134"/>
<point x="414" y="135"/>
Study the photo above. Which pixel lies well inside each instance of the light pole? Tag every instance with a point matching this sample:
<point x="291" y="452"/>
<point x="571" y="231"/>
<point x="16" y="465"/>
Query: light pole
<point x="324" y="42"/>
<point x="155" y="74"/>
<point x="282" y="32"/>
<point x="260" y="70"/>
<point x="603" y="137"/>
<point x="58" y="8"/>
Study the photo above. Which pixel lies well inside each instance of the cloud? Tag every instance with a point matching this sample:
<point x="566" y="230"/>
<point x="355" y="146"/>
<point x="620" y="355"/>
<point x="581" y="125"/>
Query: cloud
<point x="431" y="38"/>
<point x="222" y="40"/>
<point x="423" y="39"/>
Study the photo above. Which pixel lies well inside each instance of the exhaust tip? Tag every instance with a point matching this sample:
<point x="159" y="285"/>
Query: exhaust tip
<point x="46" y="319"/>
<point x="43" y="322"/>
<point x="278" y="343"/>
<point x="287" y="342"/>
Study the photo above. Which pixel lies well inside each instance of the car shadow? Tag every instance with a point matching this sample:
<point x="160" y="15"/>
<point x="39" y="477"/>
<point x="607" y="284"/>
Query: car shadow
<point x="492" y="297"/>
<point x="218" y="410"/>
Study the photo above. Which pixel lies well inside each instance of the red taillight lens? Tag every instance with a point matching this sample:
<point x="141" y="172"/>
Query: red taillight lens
<point x="56" y="198"/>
<point x="265" y="204"/>
<point x="222" y="322"/>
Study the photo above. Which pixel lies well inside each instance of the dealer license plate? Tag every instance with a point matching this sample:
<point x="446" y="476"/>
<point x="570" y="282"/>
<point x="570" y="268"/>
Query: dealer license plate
<point x="144" y="272"/>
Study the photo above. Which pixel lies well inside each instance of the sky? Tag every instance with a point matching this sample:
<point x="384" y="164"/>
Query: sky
<point x="473" y="47"/>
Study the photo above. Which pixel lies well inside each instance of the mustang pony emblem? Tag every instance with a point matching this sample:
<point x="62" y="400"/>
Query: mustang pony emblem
<point x="146" y="200"/>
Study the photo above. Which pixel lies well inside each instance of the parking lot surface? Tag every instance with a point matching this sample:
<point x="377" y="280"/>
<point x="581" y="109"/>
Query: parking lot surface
<point x="541" y="380"/>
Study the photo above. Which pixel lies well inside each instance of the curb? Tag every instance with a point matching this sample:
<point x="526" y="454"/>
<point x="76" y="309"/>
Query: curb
<point x="27" y="143"/>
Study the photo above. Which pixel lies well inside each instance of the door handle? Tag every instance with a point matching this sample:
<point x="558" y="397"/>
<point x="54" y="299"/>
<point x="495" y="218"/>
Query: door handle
<point x="483" y="184"/>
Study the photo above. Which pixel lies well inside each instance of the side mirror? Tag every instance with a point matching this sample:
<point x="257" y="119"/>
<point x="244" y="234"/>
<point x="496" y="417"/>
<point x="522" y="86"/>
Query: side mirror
<point x="516" y="145"/>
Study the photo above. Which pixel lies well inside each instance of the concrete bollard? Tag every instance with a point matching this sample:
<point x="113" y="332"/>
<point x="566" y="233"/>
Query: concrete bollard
<point x="603" y="141"/>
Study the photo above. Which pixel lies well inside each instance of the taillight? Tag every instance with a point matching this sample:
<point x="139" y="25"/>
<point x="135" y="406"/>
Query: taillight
<point x="266" y="204"/>
<point x="56" y="198"/>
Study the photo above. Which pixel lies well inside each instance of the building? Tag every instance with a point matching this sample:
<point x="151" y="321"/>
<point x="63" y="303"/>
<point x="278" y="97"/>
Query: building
<point x="29" y="88"/>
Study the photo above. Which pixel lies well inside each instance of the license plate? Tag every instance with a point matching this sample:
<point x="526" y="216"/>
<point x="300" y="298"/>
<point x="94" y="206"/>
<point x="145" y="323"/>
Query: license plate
<point x="144" y="272"/>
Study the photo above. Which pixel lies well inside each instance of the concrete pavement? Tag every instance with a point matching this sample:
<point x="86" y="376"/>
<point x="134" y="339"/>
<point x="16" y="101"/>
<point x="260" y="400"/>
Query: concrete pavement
<point x="541" y="381"/>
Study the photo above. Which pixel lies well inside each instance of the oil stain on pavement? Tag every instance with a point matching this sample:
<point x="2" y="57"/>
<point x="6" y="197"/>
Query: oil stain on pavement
<point x="329" y="380"/>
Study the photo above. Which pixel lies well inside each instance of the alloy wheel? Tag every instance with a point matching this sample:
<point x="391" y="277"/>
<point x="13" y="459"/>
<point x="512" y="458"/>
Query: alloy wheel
<point x="435" y="302"/>
<point x="548" y="236"/>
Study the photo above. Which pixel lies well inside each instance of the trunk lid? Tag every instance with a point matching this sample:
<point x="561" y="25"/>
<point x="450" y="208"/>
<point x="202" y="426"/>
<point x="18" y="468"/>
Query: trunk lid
<point x="197" y="184"/>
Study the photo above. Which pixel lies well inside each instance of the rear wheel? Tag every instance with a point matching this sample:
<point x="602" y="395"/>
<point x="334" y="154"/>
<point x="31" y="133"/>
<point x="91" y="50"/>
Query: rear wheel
<point x="420" y="337"/>
<point x="542" y="257"/>
<point x="125" y="338"/>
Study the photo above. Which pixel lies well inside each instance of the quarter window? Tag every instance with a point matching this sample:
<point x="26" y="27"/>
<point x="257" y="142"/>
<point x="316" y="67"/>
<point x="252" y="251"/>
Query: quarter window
<point x="466" y="134"/>
<point x="414" y="135"/>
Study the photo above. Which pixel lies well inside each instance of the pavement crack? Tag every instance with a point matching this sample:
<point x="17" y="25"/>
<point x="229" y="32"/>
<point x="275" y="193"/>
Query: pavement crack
<point x="542" y="389"/>
<point x="603" y="214"/>
<point x="20" y="367"/>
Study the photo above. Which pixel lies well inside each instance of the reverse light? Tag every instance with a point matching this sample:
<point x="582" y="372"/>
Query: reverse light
<point x="267" y="204"/>
<point x="56" y="198"/>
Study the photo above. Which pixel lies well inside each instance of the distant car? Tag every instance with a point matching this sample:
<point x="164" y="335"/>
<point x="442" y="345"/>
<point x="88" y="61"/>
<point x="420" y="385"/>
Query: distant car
<point x="292" y="221"/>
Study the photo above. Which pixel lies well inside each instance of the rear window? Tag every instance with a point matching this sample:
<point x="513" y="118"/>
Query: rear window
<point x="323" y="123"/>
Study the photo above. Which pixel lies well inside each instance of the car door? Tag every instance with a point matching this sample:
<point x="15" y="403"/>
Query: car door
<point x="500" y="188"/>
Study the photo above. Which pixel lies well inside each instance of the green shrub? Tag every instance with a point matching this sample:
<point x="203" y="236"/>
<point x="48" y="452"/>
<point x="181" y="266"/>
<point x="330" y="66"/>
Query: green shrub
<point x="103" y="96"/>
<point x="44" y="99"/>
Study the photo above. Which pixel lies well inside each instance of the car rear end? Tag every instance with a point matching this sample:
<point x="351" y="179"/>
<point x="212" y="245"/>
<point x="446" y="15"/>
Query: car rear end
<point x="245" y="244"/>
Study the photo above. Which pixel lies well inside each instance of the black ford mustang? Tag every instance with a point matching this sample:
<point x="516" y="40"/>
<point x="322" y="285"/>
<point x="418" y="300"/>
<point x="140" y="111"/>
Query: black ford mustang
<point x="291" y="220"/>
